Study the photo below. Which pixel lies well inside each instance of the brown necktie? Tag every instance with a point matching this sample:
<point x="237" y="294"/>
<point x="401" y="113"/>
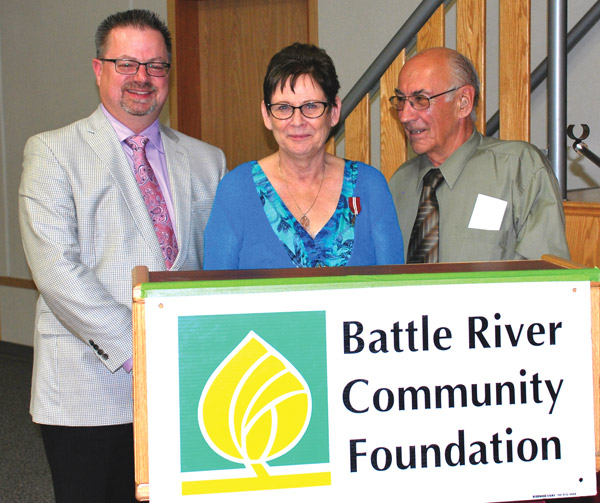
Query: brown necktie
<point x="424" y="239"/>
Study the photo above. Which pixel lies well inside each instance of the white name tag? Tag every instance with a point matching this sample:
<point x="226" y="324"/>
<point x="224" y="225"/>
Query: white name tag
<point x="487" y="213"/>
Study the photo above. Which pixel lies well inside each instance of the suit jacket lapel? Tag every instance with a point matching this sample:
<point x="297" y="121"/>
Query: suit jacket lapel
<point x="103" y="140"/>
<point x="178" y="165"/>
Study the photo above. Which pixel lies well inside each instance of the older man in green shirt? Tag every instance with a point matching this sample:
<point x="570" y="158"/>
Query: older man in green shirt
<point x="496" y="200"/>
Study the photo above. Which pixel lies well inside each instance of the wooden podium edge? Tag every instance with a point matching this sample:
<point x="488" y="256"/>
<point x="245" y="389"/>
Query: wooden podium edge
<point x="140" y="275"/>
<point x="562" y="262"/>
<point x="140" y="408"/>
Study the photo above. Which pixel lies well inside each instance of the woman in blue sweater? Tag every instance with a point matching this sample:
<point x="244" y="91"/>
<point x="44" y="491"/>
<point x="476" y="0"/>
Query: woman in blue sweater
<point x="300" y="206"/>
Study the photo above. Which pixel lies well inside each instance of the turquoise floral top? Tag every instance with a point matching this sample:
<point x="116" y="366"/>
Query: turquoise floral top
<point x="332" y="246"/>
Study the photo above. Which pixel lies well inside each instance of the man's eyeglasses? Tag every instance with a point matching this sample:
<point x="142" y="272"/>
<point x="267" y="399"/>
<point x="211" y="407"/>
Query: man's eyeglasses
<point x="312" y="110"/>
<point x="131" y="67"/>
<point x="417" y="101"/>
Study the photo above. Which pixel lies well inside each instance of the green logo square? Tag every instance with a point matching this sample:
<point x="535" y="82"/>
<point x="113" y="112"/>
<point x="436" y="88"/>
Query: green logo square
<point x="206" y="341"/>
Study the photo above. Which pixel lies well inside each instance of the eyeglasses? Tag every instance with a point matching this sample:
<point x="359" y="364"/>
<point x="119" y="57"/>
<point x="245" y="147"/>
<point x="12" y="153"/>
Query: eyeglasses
<point x="312" y="110"/>
<point x="417" y="101"/>
<point x="131" y="67"/>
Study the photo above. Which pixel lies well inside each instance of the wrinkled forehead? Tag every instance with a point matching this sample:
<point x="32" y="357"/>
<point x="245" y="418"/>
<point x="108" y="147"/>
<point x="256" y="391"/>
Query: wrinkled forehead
<point x="423" y="75"/>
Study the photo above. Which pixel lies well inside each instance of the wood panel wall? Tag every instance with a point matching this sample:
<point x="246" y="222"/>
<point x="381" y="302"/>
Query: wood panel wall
<point x="583" y="232"/>
<point x="222" y="48"/>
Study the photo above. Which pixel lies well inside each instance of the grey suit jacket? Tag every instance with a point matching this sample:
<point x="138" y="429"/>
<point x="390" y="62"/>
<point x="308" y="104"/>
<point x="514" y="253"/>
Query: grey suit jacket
<point x="84" y="226"/>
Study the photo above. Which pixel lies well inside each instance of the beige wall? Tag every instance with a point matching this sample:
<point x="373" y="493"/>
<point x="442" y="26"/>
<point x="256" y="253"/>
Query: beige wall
<point x="46" y="81"/>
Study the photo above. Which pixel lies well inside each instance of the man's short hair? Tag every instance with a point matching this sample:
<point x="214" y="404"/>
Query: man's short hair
<point x="464" y="73"/>
<point x="136" y="18"/>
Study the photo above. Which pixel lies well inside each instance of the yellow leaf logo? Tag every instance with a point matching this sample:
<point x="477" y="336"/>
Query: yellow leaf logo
<point x="255" y="406"/>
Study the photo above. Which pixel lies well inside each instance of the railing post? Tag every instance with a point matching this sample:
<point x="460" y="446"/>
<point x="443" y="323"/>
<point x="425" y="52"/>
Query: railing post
<point x="557" y="91"/>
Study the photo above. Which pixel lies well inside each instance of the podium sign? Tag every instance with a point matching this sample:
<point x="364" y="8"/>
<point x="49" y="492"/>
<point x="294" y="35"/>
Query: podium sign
<point x="415" y="388"/>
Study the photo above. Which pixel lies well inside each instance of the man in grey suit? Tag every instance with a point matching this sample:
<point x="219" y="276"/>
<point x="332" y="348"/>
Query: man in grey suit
<point x="86" y="222"/>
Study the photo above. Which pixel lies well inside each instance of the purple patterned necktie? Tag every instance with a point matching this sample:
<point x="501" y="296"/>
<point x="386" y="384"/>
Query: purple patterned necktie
<point x="424" y="239"/>
<point x="154" y="199"/>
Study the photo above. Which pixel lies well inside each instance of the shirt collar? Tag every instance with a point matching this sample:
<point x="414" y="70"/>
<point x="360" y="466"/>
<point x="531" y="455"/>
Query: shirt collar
<point x="152" y="132"/>
<point x="452" y="167"/>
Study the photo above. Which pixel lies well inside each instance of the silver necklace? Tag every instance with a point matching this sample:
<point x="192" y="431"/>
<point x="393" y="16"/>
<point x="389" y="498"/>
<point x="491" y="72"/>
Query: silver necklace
<point x="304" y="220"/>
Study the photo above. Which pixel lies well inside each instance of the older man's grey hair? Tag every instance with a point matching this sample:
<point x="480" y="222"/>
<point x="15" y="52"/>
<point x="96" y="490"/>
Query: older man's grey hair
<point x="464" y="73"/>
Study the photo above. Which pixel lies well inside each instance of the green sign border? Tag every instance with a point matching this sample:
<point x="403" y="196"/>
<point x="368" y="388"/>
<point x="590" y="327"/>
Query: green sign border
<point x="211" y="287"/>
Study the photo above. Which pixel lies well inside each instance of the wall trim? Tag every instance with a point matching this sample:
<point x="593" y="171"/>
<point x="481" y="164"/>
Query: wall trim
<point x="17" y="282"/>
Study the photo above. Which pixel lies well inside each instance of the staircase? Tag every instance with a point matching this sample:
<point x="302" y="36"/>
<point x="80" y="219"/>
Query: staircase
<point x="427" y="25"/>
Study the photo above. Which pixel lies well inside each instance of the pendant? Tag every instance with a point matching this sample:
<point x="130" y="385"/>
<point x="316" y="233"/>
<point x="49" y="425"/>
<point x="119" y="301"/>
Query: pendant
<point x="305" y="222"/>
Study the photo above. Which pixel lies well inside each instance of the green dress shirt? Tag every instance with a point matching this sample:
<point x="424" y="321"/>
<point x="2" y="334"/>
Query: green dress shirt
<point x="521" y="217"/>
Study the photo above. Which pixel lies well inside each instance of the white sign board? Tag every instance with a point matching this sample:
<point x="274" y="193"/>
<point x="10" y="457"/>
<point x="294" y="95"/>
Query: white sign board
<point x="461" y="393"/>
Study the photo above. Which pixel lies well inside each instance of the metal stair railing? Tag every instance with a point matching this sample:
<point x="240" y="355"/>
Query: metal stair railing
<point x="369" y="80"/>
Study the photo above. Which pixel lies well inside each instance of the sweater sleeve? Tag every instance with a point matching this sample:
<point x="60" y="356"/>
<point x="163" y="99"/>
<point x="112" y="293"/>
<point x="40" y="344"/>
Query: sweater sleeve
<point x="385" y="230"/>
